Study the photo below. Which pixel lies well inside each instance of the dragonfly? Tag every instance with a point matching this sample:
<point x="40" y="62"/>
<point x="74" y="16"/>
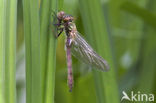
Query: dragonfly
<point x="77" y="46"/>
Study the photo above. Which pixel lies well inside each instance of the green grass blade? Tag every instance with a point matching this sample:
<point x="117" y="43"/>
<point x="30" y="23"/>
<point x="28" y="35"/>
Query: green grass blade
<point x="2" y="48"/>
<point x="50" y="77"/>
<point x="48" y="50"/>
<point x="51" y="63"/>
<point x="146" y="84"/>
<point x="94" y="23"/>
<point x="147" y="76"/>
<point x="27" y="34"/>
<point x="32" y="41"/>
<point x="35" y="51"/>
<point x="146" y="15"/>
<point x="10" y="51"/>
<point x="44" y="25"/>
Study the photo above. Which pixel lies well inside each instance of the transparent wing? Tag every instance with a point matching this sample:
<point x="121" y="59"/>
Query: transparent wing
<point x="84" y="52"/>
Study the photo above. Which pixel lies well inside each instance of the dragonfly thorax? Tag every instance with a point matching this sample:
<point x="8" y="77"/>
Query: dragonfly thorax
<point x="71" y="30"/>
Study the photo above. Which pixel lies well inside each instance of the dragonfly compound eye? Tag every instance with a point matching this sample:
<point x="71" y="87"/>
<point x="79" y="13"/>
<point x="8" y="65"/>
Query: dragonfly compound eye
<point x="68" y="18"/>
<point x="60" y="15"/>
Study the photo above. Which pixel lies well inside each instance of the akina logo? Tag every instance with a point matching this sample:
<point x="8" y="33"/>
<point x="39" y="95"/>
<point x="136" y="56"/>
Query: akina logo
<point x="137" y="96"/>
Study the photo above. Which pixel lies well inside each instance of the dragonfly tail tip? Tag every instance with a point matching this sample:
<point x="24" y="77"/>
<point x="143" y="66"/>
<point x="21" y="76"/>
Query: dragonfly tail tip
<point x="70" y="90"/>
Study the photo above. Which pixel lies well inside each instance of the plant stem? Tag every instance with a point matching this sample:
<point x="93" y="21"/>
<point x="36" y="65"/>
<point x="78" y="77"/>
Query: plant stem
<point x="2" y="48"/>
<point x="51" y="63"/>
<point x="44" y="25"/>
<point x="10" y="51"/>
<point x="32" y="41"/>
<point x="94" y="23"/>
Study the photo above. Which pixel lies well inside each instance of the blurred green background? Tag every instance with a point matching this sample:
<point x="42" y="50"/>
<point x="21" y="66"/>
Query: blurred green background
<point x="121" y="31"/>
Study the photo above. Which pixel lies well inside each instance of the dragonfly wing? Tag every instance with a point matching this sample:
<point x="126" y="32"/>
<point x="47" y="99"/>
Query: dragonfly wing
<point x="84" y="52"/>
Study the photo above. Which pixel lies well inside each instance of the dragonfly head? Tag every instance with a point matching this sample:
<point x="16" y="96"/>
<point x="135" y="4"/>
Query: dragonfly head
<point x="62" y="16"/>
<point x="68" y="18"/>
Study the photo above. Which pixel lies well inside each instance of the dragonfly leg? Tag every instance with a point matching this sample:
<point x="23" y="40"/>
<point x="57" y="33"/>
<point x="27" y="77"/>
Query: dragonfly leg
<point x="54" y="13"/>
<point x="55" y="16"/>
<point x="58" y="24"/>
<point x="61" y="30"/>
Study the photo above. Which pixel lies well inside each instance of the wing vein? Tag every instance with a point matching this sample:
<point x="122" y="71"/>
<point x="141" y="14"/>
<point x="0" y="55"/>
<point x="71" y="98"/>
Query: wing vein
<point x="84" y="52"/>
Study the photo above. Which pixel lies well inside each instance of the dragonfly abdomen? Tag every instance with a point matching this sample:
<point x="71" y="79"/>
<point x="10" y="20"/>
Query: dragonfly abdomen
<point x="69" y="64"/>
